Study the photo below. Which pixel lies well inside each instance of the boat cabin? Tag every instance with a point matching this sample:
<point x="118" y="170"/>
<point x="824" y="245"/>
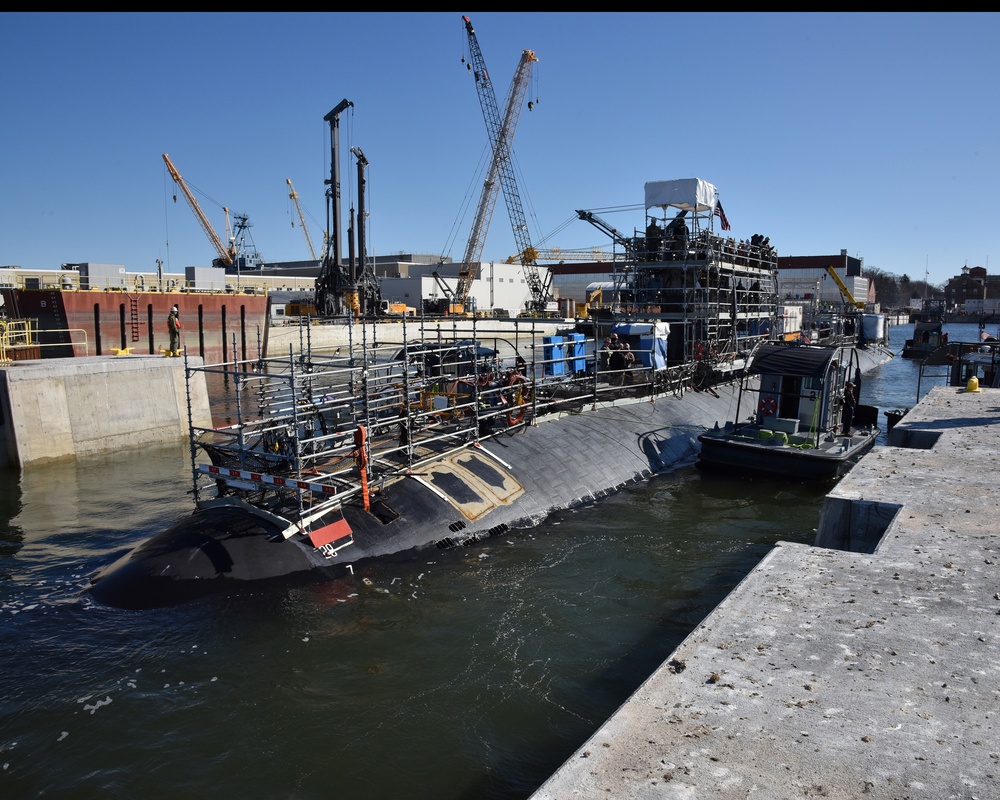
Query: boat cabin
<point x="801" y="389"/>
<point x="927" y="337"/>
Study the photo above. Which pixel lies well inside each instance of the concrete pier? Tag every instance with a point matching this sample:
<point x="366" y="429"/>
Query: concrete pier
<point x="869" y="671"/>
<point x="62" y="408"/>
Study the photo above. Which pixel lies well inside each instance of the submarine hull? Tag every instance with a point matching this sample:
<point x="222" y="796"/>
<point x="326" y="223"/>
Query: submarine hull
<point x="506" y="483"/>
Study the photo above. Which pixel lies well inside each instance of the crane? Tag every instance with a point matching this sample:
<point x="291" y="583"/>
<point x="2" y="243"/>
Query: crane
<point x="491" y="186"/>
<point x="227" y="255"/>
<point x="294" y="196"/>
<point x="501" y="133"/>
<point x="628" y="245"/>
<point x="558" y="254"/>
<point x="843" y="288"/>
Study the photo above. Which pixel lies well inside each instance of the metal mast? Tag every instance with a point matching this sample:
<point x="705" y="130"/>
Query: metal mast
<point x="369" y="289"/>
<point x="333" y="283"/>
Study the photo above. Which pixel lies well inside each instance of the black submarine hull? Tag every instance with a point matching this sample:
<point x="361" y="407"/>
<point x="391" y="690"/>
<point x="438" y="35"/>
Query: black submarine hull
<point x="509" y="482"/>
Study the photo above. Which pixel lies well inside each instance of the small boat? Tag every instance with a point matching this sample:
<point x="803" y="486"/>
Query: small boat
<point x="975" y="364"/>
<point x="797" y="427"/>
<point x="927" y="337"/>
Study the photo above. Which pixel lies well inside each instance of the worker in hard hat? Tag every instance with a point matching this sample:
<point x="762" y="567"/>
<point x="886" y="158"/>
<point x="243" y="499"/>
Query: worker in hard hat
<point x="174" y="328"/>
<point x="850" y="405"/>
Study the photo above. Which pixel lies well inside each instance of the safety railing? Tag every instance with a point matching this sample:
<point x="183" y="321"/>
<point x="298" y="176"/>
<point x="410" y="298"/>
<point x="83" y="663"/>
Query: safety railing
<point x="313" y="428"/>
<point x="23" y="335"/>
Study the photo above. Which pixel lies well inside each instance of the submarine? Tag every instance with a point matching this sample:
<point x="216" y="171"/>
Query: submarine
<point x="397" y="450"/>
<point x="327" y="477"/>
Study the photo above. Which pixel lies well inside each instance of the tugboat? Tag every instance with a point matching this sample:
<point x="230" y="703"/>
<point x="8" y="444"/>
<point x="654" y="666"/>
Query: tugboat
<point x="385" y="451"/>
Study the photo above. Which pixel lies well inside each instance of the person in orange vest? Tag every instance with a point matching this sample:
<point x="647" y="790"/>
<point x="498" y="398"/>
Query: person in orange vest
<point x="174" y="327"/>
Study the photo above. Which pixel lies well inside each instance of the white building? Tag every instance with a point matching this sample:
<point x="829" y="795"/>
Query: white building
<point x="496" y="286"/>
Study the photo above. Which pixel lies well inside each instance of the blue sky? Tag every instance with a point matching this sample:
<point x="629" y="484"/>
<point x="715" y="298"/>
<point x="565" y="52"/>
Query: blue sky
<point x="869" y="132"/>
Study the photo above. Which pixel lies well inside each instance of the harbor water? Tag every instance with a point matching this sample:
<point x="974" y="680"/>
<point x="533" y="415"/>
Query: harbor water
<point x="468" y="673"/>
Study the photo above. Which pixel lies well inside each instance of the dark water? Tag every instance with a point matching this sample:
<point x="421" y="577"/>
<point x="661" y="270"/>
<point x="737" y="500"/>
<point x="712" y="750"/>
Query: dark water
<point x="471" y="674"/>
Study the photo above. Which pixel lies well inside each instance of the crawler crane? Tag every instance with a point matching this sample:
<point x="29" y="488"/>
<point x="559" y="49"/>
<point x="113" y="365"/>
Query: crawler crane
<point x="501" y="133"/>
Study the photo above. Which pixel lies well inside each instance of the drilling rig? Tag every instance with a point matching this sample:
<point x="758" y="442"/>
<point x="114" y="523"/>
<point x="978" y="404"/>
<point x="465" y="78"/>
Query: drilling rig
<point x="336" y="292"/>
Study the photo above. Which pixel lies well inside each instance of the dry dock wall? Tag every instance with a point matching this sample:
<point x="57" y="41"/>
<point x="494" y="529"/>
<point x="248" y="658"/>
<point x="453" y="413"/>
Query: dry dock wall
<point x="54" y="409"/>
<point x="321" y="336"/>
<point x="867" y="671"/>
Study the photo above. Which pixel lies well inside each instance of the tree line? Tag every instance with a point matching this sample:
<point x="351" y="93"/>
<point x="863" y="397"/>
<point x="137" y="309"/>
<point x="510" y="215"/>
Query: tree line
<point x="900" y="291"/>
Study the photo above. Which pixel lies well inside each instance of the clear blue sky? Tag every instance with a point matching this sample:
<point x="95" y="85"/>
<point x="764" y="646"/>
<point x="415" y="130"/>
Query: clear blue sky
<point x="870" y="132"/>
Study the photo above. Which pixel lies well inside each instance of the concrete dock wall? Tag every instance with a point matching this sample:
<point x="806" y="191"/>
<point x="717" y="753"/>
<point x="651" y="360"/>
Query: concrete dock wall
<point x="867" y="671"/>
<point x="55" y="409"/>
<point x="282" y="338"/>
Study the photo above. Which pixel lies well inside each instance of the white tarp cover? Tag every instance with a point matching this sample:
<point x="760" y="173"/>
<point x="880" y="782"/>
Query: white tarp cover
<point x="873" y="326"/>
<point x="691" y="194"/>
<point x="652" y="341"/>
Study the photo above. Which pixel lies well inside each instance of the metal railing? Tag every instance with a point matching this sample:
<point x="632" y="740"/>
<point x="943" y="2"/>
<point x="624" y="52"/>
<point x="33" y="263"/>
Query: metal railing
<point x="22" y="334"/>
<point x="312" y="429"/>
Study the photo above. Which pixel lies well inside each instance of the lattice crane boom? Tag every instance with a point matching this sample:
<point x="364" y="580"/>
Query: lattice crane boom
<point x="294" y="197"/>
<point x="491" y="186"/>
<point x="501" y="133"/>
<point x="227" y="256"/>
<point x="559" y="254"/>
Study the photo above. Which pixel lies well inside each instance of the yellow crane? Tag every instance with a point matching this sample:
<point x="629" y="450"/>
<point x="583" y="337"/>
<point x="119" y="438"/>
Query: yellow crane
<point x="227" y="255"/>
<point x="843" y="288"/>
<point x="294" y="196"/>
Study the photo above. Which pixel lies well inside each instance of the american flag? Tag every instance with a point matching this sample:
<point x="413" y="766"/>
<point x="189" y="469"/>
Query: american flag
<point x="721" y="215"/>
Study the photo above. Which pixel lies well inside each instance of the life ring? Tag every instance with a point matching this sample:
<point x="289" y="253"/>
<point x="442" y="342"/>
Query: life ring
<point x="767" y="406"/>
<point x="517" y="413"/>
<point x="516" y="381"/>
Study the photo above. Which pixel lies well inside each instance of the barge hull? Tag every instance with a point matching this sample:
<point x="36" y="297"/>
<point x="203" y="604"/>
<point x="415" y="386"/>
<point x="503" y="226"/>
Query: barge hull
<point x="100" y="322"/>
